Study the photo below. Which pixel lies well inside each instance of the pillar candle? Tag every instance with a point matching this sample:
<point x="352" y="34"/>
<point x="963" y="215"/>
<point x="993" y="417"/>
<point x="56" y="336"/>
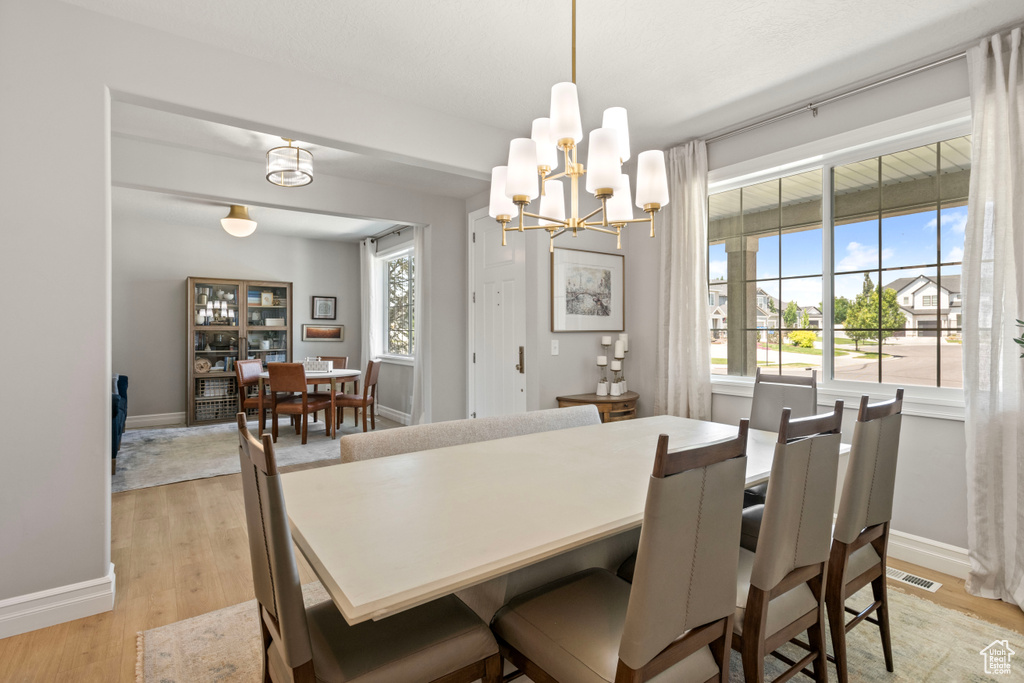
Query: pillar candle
<point x="625" y="341"/>
<point x="619" y="351"/>
<point x="606" y="340"/>
<point x="616" y="365"/>
<point x="602" y="360"/>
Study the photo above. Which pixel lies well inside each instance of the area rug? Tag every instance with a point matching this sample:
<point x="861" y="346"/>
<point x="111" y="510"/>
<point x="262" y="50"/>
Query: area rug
<point x="152" y="457"/>
<point x="930" y="644"/>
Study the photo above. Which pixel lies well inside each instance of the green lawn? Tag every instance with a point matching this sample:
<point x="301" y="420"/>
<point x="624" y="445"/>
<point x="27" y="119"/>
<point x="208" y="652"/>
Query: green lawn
<point x="844" y="341"/>
<point x="789" y="348"/>
<point x="719" y="361"/>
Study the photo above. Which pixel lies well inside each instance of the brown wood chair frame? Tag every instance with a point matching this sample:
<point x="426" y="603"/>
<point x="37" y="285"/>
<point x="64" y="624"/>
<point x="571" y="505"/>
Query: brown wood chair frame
<point x="367" y="402"/>
<point x="302" y="403"/>
<point x="714" y="634"/>
<point x="751" y="645"/>
<point x="260" y="456"/>
<point x="839" y="586"/>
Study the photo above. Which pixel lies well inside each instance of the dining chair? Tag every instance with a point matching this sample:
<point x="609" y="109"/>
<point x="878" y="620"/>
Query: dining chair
<point x="676" y="619"/>
<point x="366" y="401"/>
<point x="860" y="538"/>
<point x="780" y="587"/>
<point x="772" y="393"/>
<point x="247" y="372"/>
<point x="440" y="641"/>
<point x="337" y="363"/>
<point x="291" y="378"/>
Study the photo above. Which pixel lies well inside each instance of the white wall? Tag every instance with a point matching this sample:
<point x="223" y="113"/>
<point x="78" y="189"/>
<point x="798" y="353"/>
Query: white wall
<point x="151" y="260"/>
<point x="54" y="497"/>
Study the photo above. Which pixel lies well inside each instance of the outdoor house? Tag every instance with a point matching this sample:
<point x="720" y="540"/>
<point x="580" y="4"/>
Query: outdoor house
<point x="932" y="306"/>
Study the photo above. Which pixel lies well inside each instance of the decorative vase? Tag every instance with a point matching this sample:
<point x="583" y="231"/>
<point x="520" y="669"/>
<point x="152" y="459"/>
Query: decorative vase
<point x="602" y="388"/>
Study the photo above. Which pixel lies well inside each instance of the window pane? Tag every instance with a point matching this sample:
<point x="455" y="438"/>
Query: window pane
<point x="911" y="297"/>
<point x="766" y="346"/>
<point x="801" y="302"/>
<point x="953" y="221"/>
<point x="856" y="246"/>
<point x="955" y="169"/>
<point x="801" y="252"/>
<point x="857" y="196"/>
<point x="766" y="301"/>
<point x="801" y="224"/>
<point x="767" y="256"/>
<point x="717" y="262"/>
<point x="719" y="351"/>
<point x="855" y="358"/>
<point x="909" y="239"/>
<point x="910" y="361"/>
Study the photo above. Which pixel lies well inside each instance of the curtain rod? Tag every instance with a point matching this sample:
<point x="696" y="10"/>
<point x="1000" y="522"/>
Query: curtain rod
<point x="813" y="106"/>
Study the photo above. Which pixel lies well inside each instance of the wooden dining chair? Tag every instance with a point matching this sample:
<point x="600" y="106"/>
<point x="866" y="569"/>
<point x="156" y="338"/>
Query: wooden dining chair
<point x="247" y="372"/>
<point x="291" y="378"/>
<point x="443" y="641"/>
<point x="676" y="619"/>
<point x="780" y="587"/>
<point x="860" y="538"/>
<point x="366" y="401"/>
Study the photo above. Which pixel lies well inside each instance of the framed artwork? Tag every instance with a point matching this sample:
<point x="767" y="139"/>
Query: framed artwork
<point x="323" y="333"/>
<point x="266" y="298"/>
<point x="324" y="307"/>
<point x="588" y="291"/>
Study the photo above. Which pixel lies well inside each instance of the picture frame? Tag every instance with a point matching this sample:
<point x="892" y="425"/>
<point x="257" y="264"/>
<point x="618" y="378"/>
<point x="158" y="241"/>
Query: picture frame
<point x="325" y="308"/>
<point x="266" y="298"/>
<point x="588" y="291"/>
<point x="323" y="333"/>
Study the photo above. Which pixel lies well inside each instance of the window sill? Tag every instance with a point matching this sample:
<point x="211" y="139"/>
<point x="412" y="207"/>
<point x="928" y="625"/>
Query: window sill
<point x="939" y="404"/>
<point x="397" y="360"/>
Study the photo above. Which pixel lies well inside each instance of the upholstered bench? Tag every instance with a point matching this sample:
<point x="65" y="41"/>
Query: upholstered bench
<point x="367" y="445"/>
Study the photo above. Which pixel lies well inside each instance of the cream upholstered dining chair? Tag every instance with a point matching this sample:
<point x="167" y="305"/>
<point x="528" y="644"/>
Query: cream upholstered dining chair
<point x="860" y="538"/>
<point x="676" y="618"/>
<point x="440" y="641"/>
<point x="772" y="393"/>
<point x="780" y="588"/>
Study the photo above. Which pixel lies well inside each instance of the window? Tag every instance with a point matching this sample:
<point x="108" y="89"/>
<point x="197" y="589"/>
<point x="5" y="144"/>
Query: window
<point x="897" y="237"/>
<point x="400" y="323"/>
<point x="899" y="225"/>
<point x="766" y="239"/>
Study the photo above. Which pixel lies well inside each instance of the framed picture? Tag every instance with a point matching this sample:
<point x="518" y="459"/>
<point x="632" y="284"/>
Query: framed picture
<point x="587" y="291"/>
<point x="323" y="333"/>
<point x="266" y="298"/>
<point x="324" y="307"/>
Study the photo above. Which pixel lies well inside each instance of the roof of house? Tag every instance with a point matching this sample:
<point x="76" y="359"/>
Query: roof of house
<point x="951" y="283"/>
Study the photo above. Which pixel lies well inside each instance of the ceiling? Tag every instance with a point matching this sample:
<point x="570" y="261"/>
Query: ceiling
<point x="683" y="69"/>
<point x="131" y="205"/>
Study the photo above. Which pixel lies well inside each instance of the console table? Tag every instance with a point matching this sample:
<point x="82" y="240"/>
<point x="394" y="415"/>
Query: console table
<point x="612" y="408"/>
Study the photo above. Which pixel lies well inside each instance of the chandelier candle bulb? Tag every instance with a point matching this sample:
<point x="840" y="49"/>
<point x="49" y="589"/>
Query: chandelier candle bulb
<point x="620" y="206"/>
<point x="615" y="118"/>
<point x="547" y="151"/>
<point x="522" y="180"/>
<point x="552" y="204"/>
<point x="620" y="351"/>
<point x="501" y="205"/>
<point x="603" y="167"/>
<point x="565" y="114"/>
<point x="651" y="180"/>
<point x="602" y="361"/>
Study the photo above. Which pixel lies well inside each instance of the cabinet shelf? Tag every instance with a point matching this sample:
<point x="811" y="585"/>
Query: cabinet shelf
<point x="213" y="395"/>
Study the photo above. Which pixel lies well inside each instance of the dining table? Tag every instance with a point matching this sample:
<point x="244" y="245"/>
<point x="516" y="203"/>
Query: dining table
<point x="487" y="520"/>
<point x="324" y="377"/>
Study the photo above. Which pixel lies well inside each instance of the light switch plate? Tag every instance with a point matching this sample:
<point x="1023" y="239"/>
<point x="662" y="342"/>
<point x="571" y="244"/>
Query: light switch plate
<point x="554" y="347"/>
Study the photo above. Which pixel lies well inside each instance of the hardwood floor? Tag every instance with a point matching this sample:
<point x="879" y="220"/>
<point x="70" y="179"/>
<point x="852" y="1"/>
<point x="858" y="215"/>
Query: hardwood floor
<point x="180" y="550"/>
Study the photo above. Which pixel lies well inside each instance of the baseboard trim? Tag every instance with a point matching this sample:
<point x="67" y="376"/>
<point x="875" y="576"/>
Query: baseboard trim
<point x="392" y="414"/>
<point x="155" y="420"/>
<point x="24" y="613"/>
<point x="934" y="555"/>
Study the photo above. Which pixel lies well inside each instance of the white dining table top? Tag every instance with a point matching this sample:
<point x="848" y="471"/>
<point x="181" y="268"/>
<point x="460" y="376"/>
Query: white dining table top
<point x="326" y="374"/>
<point x="391" y="533"/>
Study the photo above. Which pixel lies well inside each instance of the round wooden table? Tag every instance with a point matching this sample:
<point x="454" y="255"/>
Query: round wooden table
<point x="611" y="408"/>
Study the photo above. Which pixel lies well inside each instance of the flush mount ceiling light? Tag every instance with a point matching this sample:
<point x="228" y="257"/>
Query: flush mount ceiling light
<point x="514" y="186"/>
<point x="237" y="222"/>
<point x="290" y="166"/>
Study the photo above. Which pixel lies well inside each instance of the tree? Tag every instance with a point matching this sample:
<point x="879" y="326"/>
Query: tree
<point x="842" y="307"/>
<point x="790" y="315"/>
<point x="863" y="321"/>
<point x="805" y="320"/>
<point x="771" y="305"/>
<point x="868" y="285"/>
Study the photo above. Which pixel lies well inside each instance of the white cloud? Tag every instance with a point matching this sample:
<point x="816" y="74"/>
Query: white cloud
<point x="717" y="270"/>
<point x="951" y="220"/>
<point x="803" y="292"/>
<point x="954" y="254"/>
<point x="860" y="257"/>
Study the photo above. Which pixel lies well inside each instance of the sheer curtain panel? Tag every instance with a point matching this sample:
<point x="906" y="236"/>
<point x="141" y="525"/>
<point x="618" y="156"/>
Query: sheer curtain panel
<point x="372" y="311"/>
<point x="682" y="361"/>
<point x="421" y="329"/>
<point x="993" y="293"/>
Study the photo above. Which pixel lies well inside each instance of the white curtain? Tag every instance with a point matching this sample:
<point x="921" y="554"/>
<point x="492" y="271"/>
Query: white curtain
<point x="421" y="331"/>
<point x="682" y="361"/>
<point x="372" y="313"/>
<point x="993" y="293"/>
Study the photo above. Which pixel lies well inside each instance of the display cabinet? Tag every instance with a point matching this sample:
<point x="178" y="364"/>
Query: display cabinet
<point x="231" y="320"/>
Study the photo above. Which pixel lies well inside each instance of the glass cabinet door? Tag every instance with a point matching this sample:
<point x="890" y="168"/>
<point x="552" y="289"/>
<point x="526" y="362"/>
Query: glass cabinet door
<point x="267" y="344"/>
<point x="267" y="305"/>
<point x="216" y="304"/>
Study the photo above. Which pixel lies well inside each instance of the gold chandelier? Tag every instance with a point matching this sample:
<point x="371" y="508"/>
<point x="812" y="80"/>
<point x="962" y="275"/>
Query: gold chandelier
<point x="514" y="186"/>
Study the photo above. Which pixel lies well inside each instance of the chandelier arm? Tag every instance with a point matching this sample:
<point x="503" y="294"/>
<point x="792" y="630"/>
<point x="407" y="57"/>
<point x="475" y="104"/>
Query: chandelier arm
<point x="636" y="220"/>
<point x="594" y="213"/>
<point x="556" y="221"/>
<point x="555" y="177"/>
<point x="531" y="227"/>
<point x="597" y="227"/>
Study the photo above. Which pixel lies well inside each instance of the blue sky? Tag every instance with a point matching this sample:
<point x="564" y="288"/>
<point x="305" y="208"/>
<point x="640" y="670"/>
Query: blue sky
<point x="906" y="241"/>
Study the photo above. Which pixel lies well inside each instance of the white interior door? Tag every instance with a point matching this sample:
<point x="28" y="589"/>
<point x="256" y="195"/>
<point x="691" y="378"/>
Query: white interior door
<point x="498" y="300"/>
